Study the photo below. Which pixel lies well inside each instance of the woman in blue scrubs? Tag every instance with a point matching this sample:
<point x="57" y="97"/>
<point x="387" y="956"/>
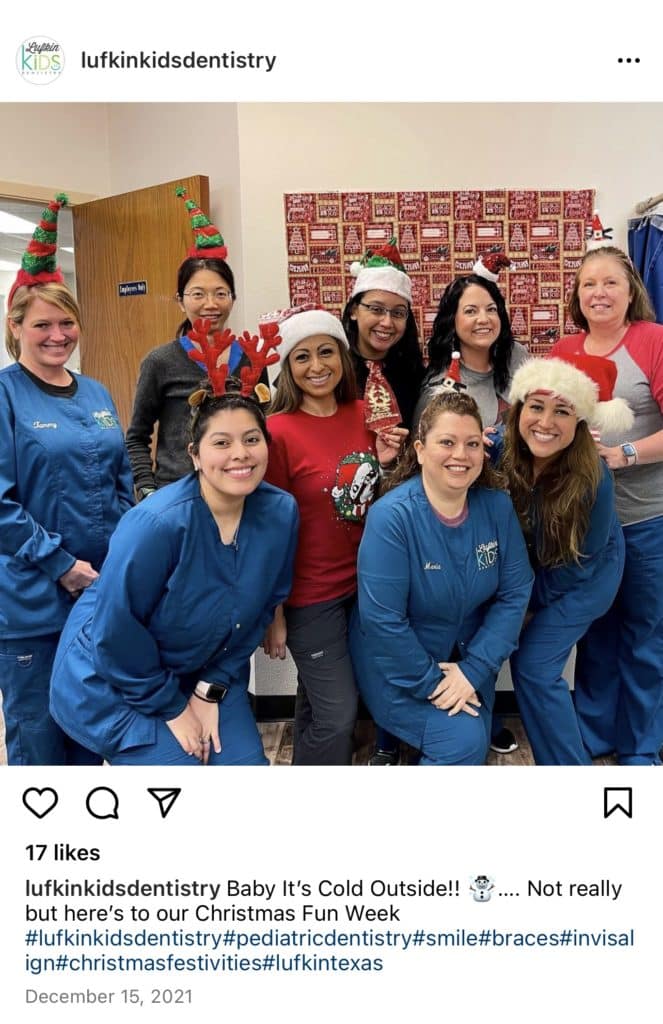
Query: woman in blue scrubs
<point x="65" y="482"/>
<point x="444" y="582"/>
<point x="153" y="665"/>
<point x="564" y="495"/>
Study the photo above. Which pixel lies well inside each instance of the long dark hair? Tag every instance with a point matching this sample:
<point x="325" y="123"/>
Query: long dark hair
<point x="444" y="340"/>
<point x="565" y="491"/>
<point x="187" y="269"/>
<point x="405" y="354"/>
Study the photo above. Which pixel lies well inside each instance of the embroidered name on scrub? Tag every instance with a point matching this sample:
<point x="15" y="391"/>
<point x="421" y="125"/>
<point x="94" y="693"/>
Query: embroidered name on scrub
<point x="432" y="565"/>
<point x="486" y="554"/>
<point x="38" y="425"/>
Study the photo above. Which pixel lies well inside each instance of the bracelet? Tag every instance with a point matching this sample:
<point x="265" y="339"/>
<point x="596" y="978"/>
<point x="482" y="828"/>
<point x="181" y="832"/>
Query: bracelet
<point x="206" y="699"/>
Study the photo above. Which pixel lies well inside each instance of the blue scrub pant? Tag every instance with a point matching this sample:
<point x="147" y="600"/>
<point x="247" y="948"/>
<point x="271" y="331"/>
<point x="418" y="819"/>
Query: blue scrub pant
<point x="645" y="247"/>
<point x="544" y="699"/>
<point x="31" y="735"/>
<point x="240" y="741"/>
<point x="619" y="667"/>
<point x="457" y="739"/>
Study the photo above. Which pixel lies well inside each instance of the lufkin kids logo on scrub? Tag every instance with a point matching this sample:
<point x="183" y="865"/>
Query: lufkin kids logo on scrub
<point x="487" y="554"/>
<point x="39" y="60"/>
<point x="356" y="478"/>
<point x="105" y="419"/>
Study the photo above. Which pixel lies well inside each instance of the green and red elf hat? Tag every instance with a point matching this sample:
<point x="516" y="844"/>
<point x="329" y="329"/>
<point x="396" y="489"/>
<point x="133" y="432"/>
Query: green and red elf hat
<point x="39" y="264"/>
<point x="207" y="239"/>
<point x="382" y="269"/>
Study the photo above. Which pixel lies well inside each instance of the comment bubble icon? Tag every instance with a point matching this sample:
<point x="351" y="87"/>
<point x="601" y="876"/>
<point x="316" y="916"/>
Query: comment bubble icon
<point x="102" y="802"/>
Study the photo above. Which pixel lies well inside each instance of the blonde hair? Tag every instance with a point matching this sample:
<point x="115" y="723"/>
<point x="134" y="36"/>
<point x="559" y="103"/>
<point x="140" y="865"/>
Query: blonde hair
<point x="639" y="307"/>
<point x="52" y="292"/>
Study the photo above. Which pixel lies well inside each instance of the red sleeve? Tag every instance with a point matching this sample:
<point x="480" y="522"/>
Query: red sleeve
<point x="645" y="347"/>
<point x="278" y="471"/>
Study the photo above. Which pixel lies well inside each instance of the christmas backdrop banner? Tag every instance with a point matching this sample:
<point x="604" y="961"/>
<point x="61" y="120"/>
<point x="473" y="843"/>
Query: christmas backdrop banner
<point x="440" y="235"/>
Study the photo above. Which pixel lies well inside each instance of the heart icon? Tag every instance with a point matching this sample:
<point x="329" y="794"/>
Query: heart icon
<point x="40" y="802"/>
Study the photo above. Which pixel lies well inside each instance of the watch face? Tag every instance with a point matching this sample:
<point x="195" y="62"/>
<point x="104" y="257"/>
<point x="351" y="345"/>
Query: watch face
<point x="628" y="450"/>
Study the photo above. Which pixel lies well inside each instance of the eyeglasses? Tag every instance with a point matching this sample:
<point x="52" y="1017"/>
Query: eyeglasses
<point x="400" y="313"/>
<point x="197" y="295"/>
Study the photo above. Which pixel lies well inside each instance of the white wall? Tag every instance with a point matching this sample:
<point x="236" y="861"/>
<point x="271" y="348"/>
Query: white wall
<point x="59" y="146"/>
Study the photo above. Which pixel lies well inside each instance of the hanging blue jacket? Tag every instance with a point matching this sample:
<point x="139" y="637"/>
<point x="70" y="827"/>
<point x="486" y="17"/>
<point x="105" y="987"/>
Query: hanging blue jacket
<point x="426" y="589"/>
<point x="65" y="481"/>
<point x="173" y="605"/>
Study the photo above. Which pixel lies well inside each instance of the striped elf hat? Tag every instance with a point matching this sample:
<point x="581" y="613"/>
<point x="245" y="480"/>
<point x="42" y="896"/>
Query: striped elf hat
<point x="207" y="239"/>
<point x="39" y="263"/>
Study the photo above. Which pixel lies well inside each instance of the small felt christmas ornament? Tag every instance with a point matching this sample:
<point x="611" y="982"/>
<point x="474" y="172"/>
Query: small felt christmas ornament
<point x="452" y="381"/>
<point x="382" y="270"/>
<point x="584" y="382"/>
<point x="207" y="239"/>
<point x="597" y="235"/>
<point x="380" y="404"/>
<point x="39" y="263"/>
<point x="489" y="264"/>
<point x="208" y="350"/>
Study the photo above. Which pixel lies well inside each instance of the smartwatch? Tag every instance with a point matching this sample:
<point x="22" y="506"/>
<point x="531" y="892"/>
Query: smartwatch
<point x="214" y="692"/>
<point x="631" y="453"/>
<point x="144" y="492"/>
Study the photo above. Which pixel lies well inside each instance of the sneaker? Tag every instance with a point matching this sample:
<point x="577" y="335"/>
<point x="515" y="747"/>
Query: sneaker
<point x="384" y="757"/>
<point x="504" y="742"/>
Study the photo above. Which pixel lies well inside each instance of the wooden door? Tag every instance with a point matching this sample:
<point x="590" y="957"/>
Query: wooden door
<point x="138" y="238"/>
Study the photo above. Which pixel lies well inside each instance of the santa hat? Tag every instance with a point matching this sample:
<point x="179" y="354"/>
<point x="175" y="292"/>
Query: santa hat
<point x="382" y="269"/>
<point x="489" y="264"/>
<point x="585" y="382"/>
<point x="300" y="322"/>
<point x="39" y="264"/>
<point x="207" y="239"/>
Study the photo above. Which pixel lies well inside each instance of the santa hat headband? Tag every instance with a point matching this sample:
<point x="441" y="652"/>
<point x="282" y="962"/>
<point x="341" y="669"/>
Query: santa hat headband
<point x="39" y="263"/>
<point x="382" y="270"/>
<point x="207" y="239"/>
<point x="584" y="382"/>
<point x="301" y="322"/>
<point x="489" y="264"/>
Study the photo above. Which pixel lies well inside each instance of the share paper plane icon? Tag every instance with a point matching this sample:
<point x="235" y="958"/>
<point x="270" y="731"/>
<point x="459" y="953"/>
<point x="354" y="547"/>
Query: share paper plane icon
<point x="165" y="798"/>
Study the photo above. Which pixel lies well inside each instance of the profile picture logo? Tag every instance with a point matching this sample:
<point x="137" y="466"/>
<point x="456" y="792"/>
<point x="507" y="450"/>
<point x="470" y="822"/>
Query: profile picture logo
<point x="40" y="60"/>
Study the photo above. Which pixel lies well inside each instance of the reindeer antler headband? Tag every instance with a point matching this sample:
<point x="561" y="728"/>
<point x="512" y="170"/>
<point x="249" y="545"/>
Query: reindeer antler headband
<point x="209" y="353"/>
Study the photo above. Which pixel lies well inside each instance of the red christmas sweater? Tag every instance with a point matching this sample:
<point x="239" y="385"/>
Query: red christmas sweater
<point x="328" y="463"/>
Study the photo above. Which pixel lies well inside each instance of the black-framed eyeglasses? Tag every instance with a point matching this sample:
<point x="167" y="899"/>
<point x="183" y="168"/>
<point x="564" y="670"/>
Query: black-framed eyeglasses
<point x="400" y="313"/>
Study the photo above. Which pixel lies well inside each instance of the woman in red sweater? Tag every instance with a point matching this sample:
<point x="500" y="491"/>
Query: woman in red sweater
<point x="324" y="454"/>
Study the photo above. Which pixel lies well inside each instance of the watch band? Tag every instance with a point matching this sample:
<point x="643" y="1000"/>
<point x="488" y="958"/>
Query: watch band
<point x="630" y="453"/>
<point x="211" y="692"/>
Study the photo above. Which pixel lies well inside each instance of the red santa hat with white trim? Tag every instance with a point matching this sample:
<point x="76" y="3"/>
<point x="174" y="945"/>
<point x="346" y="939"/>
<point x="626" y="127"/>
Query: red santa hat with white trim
<point x="586" y="382"/>
<point x="298" y="323"/>
<point x="489" y="264"/>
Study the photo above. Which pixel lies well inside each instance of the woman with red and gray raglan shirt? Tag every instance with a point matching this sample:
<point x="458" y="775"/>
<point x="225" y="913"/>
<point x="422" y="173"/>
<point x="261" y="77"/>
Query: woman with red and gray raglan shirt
<point x="620" y="661"/>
